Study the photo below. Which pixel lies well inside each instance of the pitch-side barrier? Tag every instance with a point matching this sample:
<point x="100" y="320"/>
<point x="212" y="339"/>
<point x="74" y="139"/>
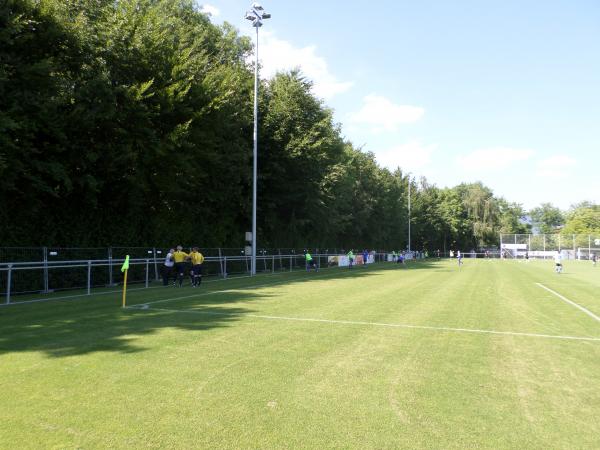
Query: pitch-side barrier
<point x="19" y="281"/>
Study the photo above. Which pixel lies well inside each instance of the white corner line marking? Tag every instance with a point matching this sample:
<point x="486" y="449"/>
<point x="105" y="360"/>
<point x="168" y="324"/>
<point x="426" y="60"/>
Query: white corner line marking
<point x="572" y="303"/>
<point x="145" y="307"/>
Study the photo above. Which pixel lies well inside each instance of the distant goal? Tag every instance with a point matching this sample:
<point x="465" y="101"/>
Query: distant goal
<point x="571" y="246"/>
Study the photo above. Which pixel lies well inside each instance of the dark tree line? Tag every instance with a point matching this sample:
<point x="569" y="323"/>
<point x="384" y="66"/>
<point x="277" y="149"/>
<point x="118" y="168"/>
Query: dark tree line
<point x="130" y="122"/>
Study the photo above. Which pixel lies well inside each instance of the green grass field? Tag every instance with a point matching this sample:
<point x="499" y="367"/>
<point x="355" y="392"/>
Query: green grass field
<point x="432" y="356"/>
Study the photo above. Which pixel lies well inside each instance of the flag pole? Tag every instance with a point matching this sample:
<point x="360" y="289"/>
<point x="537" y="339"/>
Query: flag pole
<point x="125" y="288"/>
<point x="125" y="269"/>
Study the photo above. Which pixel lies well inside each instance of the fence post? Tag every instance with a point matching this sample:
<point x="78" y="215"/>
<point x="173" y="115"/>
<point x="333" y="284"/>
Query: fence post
<point x="273" y="264"/>
<point x="110" y="268"/>
<point x="8" y="283"/>
<point x="89" y="278"/>
<point x="225" y="267"/>
<point x="559" y="244"/>
<point x="221" y="262"/>
<point x="155" y="265"/>
<point x="290" y="263"/>
<point x="544" y="245"/>
<point x="147" y="271"/>
<point x="45" y="252"/>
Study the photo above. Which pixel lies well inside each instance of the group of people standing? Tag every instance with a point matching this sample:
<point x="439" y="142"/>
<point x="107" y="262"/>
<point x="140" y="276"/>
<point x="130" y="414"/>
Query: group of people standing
<point x="177" y="263"/>
<point x="399" y="257"/>
<point x="311" y="264"/>
<point x="351" y="257"/>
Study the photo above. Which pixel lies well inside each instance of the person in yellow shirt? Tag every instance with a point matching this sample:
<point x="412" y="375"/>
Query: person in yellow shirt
<point x="180" y="257"/>
<point x="197" y="259"/>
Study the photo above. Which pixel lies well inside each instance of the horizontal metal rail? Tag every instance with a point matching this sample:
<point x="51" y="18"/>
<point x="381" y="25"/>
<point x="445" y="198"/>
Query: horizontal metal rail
<point x="137" y="261"/>
<point x="86" y="281"/>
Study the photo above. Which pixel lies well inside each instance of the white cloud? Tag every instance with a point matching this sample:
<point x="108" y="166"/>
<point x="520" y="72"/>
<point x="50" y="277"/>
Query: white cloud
<point x="410" y="156"/>
<point x="495" y="158"/>
<point x="383" y="115"/>
<point x="209" y="9"/>
<point x="279" y="55"/>
<point x="557" y="166"/>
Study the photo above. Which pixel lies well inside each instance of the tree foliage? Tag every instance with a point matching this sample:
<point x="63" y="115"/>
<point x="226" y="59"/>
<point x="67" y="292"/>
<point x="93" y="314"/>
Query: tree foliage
<point x="547" y="218"/>
<point x="130" y="122"/>
<point x="583" y="219"/>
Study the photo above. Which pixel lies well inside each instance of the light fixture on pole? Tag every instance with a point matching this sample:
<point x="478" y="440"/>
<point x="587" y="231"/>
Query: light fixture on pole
<point x="256" y="14"/>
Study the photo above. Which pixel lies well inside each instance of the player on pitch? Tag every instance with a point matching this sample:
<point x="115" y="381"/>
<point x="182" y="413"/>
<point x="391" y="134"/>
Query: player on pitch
<point x="558" y="267"/>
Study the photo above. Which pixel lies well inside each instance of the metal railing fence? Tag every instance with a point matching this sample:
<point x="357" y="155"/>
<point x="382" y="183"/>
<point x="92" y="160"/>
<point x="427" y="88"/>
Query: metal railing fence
<point x="19" y="278"/>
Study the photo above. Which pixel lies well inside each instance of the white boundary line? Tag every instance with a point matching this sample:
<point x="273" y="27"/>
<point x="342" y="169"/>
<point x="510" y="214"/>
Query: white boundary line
<point x="374" y="324"/>
<point x="565" y="299"/>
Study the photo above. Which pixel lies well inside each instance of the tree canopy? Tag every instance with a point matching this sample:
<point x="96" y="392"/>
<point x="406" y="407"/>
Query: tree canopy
<point x="547" y="218"/>
<point x="583" y="218"/>
<point x="130" y="122"/>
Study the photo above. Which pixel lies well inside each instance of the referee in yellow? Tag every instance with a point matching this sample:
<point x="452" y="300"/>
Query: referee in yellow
<point x="197" y="259"/>
<point x="180" y="257"/>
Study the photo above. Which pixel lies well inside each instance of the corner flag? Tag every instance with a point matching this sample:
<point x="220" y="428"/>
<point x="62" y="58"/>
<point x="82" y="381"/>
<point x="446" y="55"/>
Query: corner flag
<point x="125" y="265"/>
<point x="125" y="268"/>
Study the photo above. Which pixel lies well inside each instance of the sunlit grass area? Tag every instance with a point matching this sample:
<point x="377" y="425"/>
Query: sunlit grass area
<point x="492" y="354"/>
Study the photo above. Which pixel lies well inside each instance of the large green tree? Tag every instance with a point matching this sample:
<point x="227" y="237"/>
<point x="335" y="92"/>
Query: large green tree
<point x="512" y="218"/>
<point x="130" y="123"/>
<point x="547" y="218"/>
<point x="583" y="218"/>
<point x="299" y="145"/>
<point x="123" y="122"/>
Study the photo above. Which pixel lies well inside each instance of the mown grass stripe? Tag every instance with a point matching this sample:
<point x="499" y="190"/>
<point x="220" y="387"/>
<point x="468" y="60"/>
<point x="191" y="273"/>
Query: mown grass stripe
<point x="376" y="324"/>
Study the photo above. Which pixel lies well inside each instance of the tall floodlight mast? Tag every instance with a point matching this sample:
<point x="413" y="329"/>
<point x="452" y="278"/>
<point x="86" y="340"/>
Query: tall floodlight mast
<point x="256" y="14"/>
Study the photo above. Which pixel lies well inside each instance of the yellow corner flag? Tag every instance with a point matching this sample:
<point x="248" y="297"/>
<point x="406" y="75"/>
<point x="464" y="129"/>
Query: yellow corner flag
<point x="125" y="269"/>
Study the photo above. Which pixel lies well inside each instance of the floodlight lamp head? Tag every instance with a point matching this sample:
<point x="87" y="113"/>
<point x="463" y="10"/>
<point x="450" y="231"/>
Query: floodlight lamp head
<point x="250" y="16"/>
<point x="266" y="16"/>
<point x="257" y="6"/>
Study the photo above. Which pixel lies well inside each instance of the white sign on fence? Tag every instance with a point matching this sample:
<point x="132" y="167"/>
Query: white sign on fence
<point x="514" y="246"/>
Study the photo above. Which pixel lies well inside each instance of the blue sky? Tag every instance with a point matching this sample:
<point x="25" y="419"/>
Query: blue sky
<point x="507" y="93"/>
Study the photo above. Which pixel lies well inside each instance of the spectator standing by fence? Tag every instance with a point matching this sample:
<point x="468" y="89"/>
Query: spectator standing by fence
<point x="401" y="257"/>
<point x="310" y="262"/>
<point x="350" y="256"/>
<point x="168" y="268"/>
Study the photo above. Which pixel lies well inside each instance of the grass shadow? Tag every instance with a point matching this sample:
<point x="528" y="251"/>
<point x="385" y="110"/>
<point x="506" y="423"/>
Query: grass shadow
<point x="98" y="324"/>
<point x="90" y="328"/>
